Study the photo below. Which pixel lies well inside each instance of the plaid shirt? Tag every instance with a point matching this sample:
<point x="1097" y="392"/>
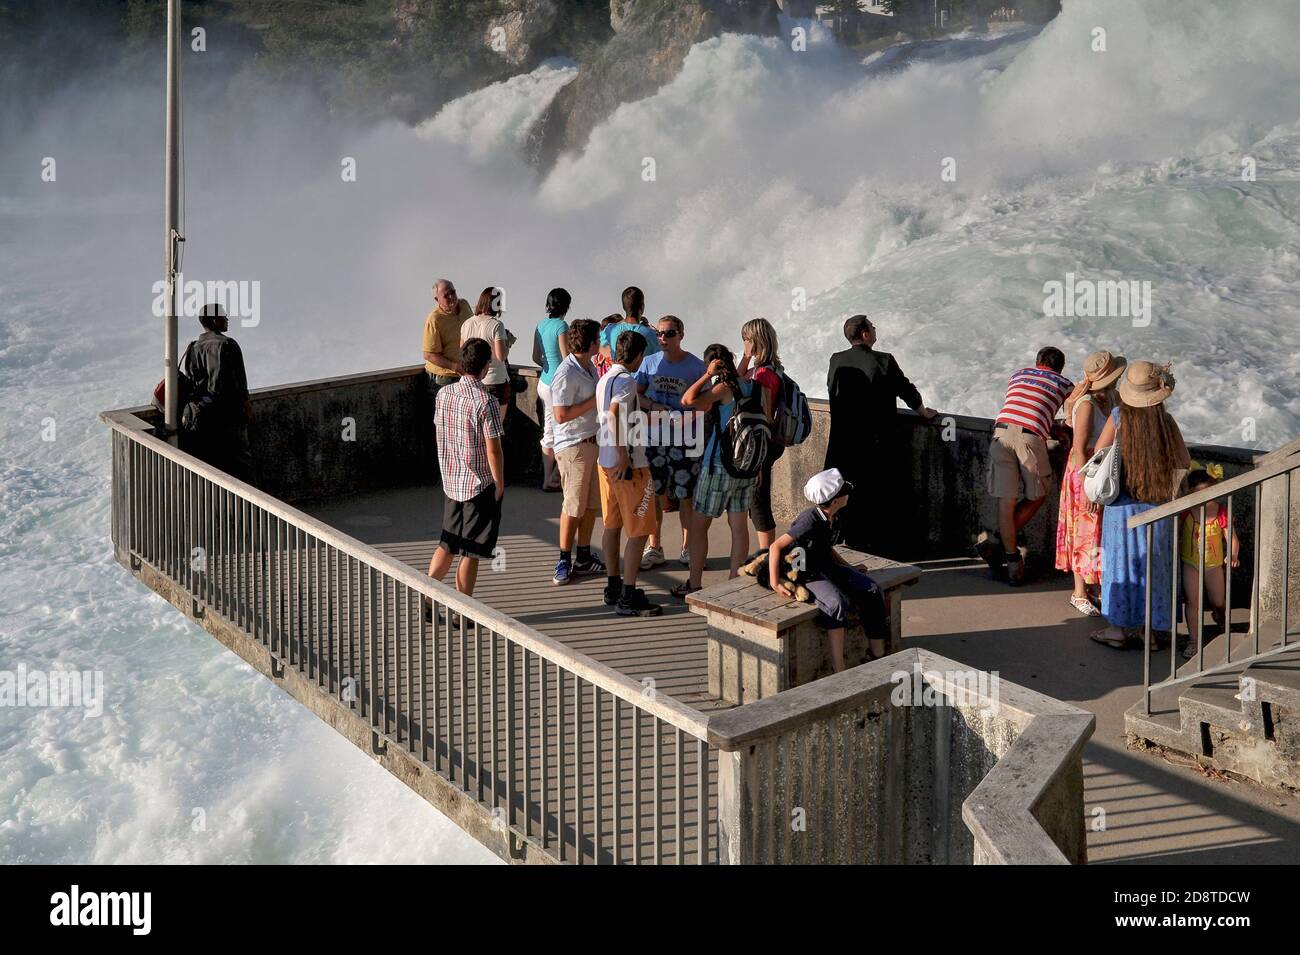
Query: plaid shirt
<point x="466" y="417"/>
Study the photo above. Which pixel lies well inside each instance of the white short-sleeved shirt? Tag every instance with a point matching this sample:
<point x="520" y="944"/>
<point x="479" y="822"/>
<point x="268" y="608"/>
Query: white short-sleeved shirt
<point x="572" y="385"/>
<point x="490" y="330"/>
<point x="619" y="385"/>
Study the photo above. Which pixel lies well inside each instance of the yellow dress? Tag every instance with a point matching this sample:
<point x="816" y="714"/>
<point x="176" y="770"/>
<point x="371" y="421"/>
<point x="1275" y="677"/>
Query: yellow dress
<point x="1189" y="539"/>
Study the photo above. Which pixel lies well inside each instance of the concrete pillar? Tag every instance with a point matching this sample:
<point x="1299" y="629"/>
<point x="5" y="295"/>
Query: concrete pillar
<point x="1278" y="530"/>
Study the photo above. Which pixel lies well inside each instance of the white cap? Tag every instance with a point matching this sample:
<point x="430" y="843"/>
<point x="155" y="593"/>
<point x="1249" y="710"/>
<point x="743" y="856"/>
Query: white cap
<point x="826" y="486"/>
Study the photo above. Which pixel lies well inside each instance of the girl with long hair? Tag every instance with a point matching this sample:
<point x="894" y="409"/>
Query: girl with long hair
<point x="761" y="363"/>
<point x="1153" y="462"/>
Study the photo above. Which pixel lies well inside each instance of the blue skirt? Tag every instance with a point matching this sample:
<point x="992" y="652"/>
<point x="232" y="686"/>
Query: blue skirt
<point x="1124" y="569"/>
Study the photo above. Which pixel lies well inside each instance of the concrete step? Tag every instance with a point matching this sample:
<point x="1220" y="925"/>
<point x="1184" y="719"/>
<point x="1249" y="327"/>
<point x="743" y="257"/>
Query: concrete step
<point x="1242" y="718"/>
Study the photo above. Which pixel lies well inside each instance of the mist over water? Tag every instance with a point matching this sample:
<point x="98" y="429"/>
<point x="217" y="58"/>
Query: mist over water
<point x="775" y="171"/>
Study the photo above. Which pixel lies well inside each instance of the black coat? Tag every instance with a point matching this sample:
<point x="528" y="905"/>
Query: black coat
<point x="216" y="368"/>
<point x="864" y="387"/>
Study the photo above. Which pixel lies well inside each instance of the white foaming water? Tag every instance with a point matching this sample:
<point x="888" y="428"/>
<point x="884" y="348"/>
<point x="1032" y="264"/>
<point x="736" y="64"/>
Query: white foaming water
<point x="774" y="170"/>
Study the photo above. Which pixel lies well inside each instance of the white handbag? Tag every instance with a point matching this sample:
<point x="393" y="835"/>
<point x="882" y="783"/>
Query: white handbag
<point x="1101" y="475"/>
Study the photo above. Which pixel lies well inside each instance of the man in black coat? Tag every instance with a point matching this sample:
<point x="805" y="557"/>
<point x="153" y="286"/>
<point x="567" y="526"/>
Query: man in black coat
<point x="864" y="387"/>
<point x="214" y="422"/>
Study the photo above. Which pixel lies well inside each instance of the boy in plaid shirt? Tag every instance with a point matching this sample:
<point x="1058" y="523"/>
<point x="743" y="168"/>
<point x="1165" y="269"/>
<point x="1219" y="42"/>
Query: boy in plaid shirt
<point x="468" y="422"/>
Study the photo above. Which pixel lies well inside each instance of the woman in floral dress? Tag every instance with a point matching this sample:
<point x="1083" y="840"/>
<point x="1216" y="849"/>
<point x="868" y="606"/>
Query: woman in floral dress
<point x="1078" y="528"/>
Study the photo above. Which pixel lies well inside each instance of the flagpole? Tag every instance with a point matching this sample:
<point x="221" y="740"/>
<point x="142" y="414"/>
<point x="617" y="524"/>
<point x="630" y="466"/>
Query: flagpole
<point x="172" y="213"/>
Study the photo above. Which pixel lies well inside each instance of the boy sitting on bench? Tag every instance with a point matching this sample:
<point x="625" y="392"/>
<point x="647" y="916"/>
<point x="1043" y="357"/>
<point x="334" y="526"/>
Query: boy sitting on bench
<point x="834" y="584"/>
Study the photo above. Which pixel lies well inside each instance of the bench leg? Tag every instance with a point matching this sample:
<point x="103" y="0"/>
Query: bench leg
<point x="894" y="611"/>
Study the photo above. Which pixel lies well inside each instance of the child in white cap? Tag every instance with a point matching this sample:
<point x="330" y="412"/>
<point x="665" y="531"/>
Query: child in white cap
<point x="834" y="584"/>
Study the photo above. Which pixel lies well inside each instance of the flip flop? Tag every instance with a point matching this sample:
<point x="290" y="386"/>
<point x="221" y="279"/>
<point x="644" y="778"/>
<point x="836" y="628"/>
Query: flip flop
<point x="683" y="589"/>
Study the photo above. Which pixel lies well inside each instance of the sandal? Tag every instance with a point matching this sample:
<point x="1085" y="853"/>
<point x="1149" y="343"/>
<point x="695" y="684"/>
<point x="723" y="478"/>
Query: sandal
<point x="1105" y="639"/>
<point x="683" y="589"/>
<point x="1084" y="606"/>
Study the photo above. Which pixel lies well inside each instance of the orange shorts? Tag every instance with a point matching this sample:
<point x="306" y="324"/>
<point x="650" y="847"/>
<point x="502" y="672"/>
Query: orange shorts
<point x="628" y="504"/>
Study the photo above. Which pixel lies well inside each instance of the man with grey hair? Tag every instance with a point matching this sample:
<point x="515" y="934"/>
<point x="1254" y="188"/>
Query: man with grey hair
<point x="441" y="345"/>
<point x="864" y="387"/>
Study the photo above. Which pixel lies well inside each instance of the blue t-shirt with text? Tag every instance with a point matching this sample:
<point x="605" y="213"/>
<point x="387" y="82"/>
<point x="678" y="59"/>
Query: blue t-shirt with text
<point x="667" y="381"/>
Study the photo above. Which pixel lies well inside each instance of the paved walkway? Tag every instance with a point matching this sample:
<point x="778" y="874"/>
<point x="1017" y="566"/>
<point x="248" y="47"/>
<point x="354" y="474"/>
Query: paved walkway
<point x="1141" y="807"/>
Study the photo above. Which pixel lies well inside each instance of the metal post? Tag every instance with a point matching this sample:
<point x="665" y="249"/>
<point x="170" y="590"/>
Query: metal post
<point x="172" y="206"/>
<point x="577" y="768"/>
<point x="1227" y="586"/>
<point x="1200" y="599"/>
<point x="1146" y="679"/>
<point x="1286" y="560"/>
<point x="1255" y="615"/>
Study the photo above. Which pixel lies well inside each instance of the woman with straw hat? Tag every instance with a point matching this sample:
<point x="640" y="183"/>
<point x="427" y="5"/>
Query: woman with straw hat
<point x="1078" y="526"/>
<point x="1153" y="462"/>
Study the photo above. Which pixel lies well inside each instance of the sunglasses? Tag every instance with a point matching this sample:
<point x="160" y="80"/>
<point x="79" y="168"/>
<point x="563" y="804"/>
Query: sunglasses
<point x="671" y="333"/>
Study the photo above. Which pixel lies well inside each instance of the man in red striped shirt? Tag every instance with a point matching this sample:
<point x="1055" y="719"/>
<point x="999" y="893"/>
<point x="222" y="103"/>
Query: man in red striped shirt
<point x="1019" y="469"/>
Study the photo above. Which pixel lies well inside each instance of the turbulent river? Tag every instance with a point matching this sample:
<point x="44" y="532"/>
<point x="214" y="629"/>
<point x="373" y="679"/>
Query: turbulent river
<point x="938" y="188"/>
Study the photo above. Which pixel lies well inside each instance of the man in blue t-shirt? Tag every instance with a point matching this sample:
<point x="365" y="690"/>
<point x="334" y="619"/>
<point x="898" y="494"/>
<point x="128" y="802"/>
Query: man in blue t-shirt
<point x="633" y="321"/>
<point x="662" y="379"/>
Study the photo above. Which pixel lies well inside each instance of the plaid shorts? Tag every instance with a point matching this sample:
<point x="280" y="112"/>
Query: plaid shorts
<point x="717" y="491"/>
<point x="674" y="472"/>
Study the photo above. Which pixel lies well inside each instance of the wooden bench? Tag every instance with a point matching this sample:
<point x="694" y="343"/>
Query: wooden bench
<point x="761" y="642"/>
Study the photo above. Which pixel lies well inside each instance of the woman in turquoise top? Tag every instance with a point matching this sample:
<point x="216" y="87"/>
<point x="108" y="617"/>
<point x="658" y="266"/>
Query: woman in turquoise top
<point x="550" y="347"/>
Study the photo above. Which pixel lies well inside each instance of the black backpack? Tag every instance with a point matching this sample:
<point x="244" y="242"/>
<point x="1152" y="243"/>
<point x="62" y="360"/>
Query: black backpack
<point x="745" y="440"/>
<point x="793" y="421"/>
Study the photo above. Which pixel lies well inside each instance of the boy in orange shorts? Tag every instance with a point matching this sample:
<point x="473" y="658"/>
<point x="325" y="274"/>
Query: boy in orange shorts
<point x="627" y="498"/>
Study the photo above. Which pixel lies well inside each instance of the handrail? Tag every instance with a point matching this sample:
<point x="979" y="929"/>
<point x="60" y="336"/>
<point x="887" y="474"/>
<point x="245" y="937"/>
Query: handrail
<point x="1285" y="451"/>
<point x="611" y="681"/>
<point x="1247" y="479"/>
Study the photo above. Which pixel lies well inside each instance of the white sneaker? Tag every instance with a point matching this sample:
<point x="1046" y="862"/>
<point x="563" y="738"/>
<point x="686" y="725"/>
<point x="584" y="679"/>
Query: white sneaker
<point x="653" y="557"/>
<point x="684" y="558"/>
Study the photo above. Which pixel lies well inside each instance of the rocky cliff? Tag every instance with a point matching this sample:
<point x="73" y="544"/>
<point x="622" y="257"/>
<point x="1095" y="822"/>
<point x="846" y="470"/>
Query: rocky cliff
<point x="650" y="42"/>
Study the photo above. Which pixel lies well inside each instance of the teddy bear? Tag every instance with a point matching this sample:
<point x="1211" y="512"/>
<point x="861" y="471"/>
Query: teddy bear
<point x="756" y="567"/>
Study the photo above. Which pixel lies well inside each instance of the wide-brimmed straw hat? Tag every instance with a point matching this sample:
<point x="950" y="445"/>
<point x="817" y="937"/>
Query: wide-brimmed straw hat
<point x="1146" y="384"/>
<point x="1103" y="369"/>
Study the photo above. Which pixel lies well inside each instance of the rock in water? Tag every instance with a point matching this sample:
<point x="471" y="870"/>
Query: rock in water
<point x="514" y="33"/>
<point x="651" y="41"/>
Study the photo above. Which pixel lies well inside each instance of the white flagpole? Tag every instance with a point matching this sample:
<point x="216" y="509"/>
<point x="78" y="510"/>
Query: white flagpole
<point x="172" y="212"/>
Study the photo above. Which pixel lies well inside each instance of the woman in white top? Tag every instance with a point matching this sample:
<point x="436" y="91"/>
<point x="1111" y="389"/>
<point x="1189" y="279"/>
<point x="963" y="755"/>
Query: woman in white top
<point x="486" y="324"/>
<point x="1078" y="527"/>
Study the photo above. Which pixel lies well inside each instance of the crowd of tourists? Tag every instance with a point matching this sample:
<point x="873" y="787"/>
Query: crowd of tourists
<point x="637" y="427"/>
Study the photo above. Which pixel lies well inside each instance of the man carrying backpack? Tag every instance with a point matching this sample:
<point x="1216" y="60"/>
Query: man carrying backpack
<point x="864" y="387"/>
<point x="737" y="435"/>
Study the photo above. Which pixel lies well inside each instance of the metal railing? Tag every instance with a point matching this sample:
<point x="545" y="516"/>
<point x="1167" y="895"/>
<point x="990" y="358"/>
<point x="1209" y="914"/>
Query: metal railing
<point x="572" y="757"/>
<point x="1278" y="466"/>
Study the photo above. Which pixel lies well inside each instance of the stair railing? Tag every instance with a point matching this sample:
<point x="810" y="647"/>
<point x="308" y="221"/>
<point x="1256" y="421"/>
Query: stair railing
<point x="1276" y="465"/>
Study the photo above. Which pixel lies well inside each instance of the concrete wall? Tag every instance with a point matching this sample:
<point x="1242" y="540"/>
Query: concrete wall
<point x="939" y="489"/>
<point x="888" y="763"/>
<point x="298" y="441"/>
<point x="937" y="495"/>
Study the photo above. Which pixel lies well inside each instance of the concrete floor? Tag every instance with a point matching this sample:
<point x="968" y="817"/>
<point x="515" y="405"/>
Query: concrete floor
<point x="1141" y="807"/>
